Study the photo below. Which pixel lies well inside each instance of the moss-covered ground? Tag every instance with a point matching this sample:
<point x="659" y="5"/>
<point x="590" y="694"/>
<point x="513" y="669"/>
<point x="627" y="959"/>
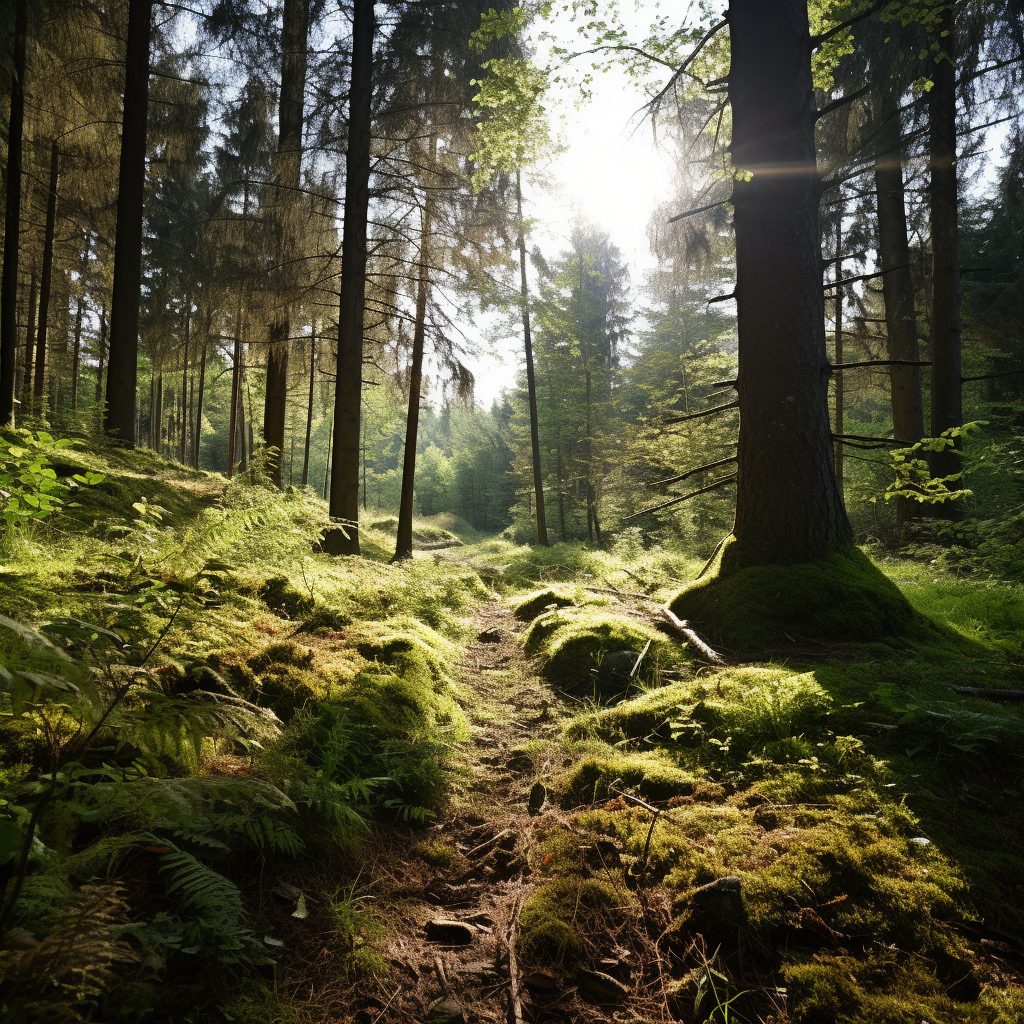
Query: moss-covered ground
<point x="274" y="768"/>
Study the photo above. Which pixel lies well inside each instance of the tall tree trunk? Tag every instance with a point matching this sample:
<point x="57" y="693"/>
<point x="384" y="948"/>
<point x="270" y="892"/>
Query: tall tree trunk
<point x="30" y="343"/>
<point x="898" y="289"/>
<point x="840" y="383"/>
<point x="235" y="383"/>
<point x="183" y="415"/>
<point x="344" y="504"/>
<point x="947" y="399"/>
<point x="12" y="222"/>
<point x="788" y="506"/>
<point x="200" y="390"/>
<point x="294" y="33"/>
<point x="76" y="356"/>
<point x="123" y="357"/>
<point x="403" y="543"/>
<point x="531" y="383"/>
<point x="46" y="282"/>
<point x="102" y="355"/>
<point x="309" y="405"/>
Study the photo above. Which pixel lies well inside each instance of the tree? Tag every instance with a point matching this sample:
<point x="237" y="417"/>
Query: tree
<point x="12" y="222"/>
<point x="788" y="506"/>
<point x="288" y="178"/>
<point x="123" y="344"/>
<point x="344" y="503"/>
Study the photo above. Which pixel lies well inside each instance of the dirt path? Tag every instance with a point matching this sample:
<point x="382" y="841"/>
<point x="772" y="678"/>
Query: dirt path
<point x="451" y="901"/>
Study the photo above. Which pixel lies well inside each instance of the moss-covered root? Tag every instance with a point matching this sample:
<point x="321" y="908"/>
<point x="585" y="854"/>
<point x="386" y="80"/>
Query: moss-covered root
<point x="843" y="598"/>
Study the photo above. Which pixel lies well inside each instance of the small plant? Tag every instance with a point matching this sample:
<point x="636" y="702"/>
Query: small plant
<point x="29" y="487"/>
<point x="913" y="477"/>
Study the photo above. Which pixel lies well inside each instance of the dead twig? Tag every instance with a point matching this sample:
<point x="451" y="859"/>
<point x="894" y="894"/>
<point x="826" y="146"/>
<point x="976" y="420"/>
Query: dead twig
<point x="490" y="842"/>
<point x="681" y="627"/>
<point x="515" y="1000"/>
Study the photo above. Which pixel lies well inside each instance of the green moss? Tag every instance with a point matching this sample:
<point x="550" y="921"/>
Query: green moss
<point x="529" y="606"/>
<point x="438" y="854"/>
<point x="653" y="773"/>
<point x="554" y="920"/>
<point x="284" y="599"/>
<point x="843" y="598"/>
<point x="410" y="647"/>
<point x="573" y="643"/>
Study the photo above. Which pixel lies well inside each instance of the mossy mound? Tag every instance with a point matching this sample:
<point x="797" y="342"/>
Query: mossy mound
<point x="843" y="598"/>
<point x="283" y="598"/>
<point x="653" y="773"/>
<point x="408" y="646"/>
<point x="555" y="919"/>
<point x="529" y="606"/>
<point x="573" y="643"/>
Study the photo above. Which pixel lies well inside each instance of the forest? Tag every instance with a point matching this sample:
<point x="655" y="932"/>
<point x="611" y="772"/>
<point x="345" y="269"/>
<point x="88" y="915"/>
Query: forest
<point x="424" y="602"/>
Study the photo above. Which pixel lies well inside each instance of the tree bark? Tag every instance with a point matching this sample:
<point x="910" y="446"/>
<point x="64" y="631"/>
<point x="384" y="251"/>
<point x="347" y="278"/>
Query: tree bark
<point x="294" y="32"/>
<point x="183" y="405"/>
<point x="123" y="355"/>
<point x="12" y="222"/>
<point x="76" y="356"/>
<point x="197" y="436"/>
<point x="531" y="383"/>
<point x="947" y="400"/>
<point x="403" y="542"/>
<point x="898" y="289"/>
<point x="344" y="504"/>
<point x="46" y="281"/>
<point x="309" y="405"/>
<point x="235" y="383"/>
<point x="30" y="343"/>
<point x="788" y="506"/>
<point x="840" y="383"/>
<point x="101" y="357"/>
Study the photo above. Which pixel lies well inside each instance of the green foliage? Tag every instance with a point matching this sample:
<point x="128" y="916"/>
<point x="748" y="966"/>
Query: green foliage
<point x="913" y="477"/>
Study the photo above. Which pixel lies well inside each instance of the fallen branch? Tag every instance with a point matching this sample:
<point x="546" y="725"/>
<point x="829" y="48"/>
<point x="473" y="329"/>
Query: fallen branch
<point x="988" y="694"/>
<point x="682" y="627"/>
<point x="489" y="842"/>
<point x="515" y="1009"/>
<point x="636" y="664"/>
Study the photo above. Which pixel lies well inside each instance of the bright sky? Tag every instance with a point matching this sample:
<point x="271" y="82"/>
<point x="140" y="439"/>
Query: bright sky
<point x="610" y="172"/>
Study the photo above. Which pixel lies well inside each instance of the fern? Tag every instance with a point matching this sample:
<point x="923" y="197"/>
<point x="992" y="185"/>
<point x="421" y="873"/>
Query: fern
<point x="216" y="924"/>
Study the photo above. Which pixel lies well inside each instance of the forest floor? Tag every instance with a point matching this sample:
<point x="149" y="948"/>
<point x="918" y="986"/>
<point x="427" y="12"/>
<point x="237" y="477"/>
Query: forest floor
<point x="487" y="784"/>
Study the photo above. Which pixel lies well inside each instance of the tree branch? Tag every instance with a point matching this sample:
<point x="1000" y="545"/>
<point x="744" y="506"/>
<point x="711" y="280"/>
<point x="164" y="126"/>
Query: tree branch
<point x="841" y="102"/>
<point x="991" y="376"/>
<point x="816" y="41"/>
<point x="863" y="277"/>
<point x="696" y="210"/>
<point x="693" y="472"/>
<point x="721" y="482"/>
<point x="879" y="362"/>
<point x="703" y="412"/>
<point x="681" y="70"/>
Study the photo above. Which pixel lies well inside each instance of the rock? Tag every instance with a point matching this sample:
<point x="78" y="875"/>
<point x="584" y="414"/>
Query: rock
<point x="445" y="1011"/>
<point x="613" y="674"/>
<point x="449" y="933"/>
<point x="538" y="794"/>
<point x="491" y="636"/>
<point x="542" y="981"/>
<point x="714" y="909"/>
<point x="601" y="987"/>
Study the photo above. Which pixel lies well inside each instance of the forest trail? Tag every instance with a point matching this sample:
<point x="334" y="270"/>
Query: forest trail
<point x="450" y="898"/>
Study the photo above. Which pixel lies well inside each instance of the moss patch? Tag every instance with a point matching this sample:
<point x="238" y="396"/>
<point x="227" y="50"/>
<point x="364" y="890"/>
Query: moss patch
<point x="529" y="606"/>
<point x="844" y="598"/>
<point x="555" y="919"/>
<point x="652" y="772"/>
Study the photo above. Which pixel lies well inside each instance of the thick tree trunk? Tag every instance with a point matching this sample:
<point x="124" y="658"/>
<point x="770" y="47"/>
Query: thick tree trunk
<point x="840" y="386"/>
<point x="344" y="503"/>
<point x="309" y="406"/>
<point x="531" y="384"/>
<point x="947" y="400"/>
<point x="294" y="32"/>
<point x="30" y="344"/>
<point x="123" y="357"/>
<point x="898" y="289"/>
<point x="788" y="507"/>
<point x="46" y="281"/>
<point x="403" y="543"/>
<point x="12" y="222"/>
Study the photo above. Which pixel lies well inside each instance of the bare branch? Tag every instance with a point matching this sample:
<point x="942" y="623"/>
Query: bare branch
<point x="693" y="472"/>
<point x="702" y="413"/>
<point x="696" y="210"/>
<point x="721" y="482"/>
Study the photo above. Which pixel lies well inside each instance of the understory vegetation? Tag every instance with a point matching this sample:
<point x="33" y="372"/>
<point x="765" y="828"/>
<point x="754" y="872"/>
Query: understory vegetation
<point x="208" y="728"/>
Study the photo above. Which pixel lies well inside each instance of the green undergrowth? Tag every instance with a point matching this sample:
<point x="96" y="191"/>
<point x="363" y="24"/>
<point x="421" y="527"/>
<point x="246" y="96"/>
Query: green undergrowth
<point x="868" y="814"/>
<point x="226" y="706"/>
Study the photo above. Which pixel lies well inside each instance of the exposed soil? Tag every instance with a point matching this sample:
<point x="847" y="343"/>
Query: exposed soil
<point x="450" y="924"/>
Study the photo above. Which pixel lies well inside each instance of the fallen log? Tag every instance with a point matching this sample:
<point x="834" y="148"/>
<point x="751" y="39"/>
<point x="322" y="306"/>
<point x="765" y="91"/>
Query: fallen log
<point x="987" y="693"/>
